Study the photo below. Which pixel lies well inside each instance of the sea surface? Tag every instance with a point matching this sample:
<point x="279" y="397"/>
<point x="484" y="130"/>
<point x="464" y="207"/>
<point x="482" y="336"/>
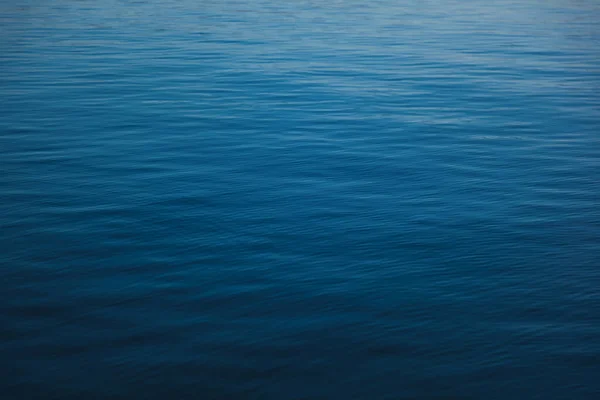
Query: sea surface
<point x="299" y="199"/>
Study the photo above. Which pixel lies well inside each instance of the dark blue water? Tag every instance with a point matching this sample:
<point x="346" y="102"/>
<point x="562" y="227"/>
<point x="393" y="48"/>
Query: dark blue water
<point x="300" y="199"/>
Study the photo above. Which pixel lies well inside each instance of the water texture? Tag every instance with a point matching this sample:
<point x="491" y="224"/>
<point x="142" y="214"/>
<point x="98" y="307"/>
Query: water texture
<point x="300" y="199"/>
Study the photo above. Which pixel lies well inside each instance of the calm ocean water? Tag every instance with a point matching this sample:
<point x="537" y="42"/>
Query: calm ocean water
<point x="300" y="199"/>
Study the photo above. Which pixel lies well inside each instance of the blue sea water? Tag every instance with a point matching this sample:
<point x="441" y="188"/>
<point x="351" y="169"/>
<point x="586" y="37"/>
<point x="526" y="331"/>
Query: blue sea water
<point x="300" y="199"/>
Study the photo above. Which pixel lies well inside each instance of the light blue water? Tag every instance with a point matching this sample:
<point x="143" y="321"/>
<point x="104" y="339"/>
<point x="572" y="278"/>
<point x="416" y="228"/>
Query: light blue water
<point x="300" y="199"/>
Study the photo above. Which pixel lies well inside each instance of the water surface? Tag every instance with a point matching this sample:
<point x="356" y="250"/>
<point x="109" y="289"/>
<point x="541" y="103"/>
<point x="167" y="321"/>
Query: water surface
<point x="300" y="199"/>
